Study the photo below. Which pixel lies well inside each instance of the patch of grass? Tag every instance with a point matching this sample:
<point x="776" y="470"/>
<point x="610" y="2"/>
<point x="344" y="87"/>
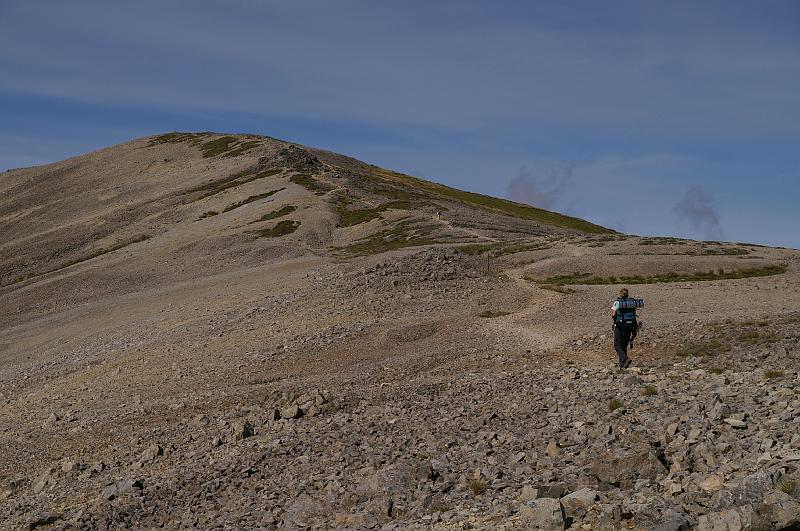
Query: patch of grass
<point x="557" y="288"/>
<point x="282" y="228"/>
<point x="348" y="217"/>
<point x="727" y="251"/>
<point x="403" y="234"/>
<point x="502" y="206"/>
<point x="177" y="137"/>
<point x="614" y="404"/>
<point x="478" y="487"/>
<point x="227" y="146"/>
<point x="502" y="248"/>
<point x="716" y="370"/>
<point x="772" y="373"/>
<point x="207" y="214"/>
<point x="587" y="279"/>
<point x="702" y="349"/>
<point x="283" y="211"/>
<point x="232" y="181"/>
<point x="251" y="199"/>
<point x="661" y="241"/>
<point x="310" y="183"/>
<point x="787" y="486"/>
<point x="649" y="391"/>
<point x="488" y="314"/>
<point x="757" y="337"/>
<point x="242" y="148"/>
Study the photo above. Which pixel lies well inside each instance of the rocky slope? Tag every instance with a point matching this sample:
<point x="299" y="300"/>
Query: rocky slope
<point x="231" y="331"/>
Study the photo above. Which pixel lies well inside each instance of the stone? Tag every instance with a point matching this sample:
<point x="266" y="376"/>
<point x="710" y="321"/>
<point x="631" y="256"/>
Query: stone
<point x="552" y="449"/>
<point x="738" y="424"/>
<point x="44" y="480"/>
<point x="673" y="521"/>
<point x="728" y="520"/>
<point x="69" y="466"/>
<point x="41" y="519"/>
<point x="578" y="502"/>
<point x="528" y="493"/>
<point x="623" y="470"/>
<point x="242" y="429"/>
<point x="302" y="511"/>
<point x="749" y="491"/>
<point x="292" y="412"/>
<point x="542" y="513"/>
<point x="120" y="487"/>
<point x="550" y="491"/>
<point x="779" y="509"/>
<point x="151" y="453"/>
<point x="712" y="483"/>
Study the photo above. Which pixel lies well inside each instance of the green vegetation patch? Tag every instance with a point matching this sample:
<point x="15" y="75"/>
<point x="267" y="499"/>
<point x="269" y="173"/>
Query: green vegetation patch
<point x="787" y="485"/>
<point x="478" y="487"/>
<point x="282" y="228"/>
<point x="649" y="390"/>
<point x="283" y="211"/>
<point x="502" y="206"/>
<point x="725" y="251"/>
<point x="311" y="184"/>
<point x="661" y="241"/>
<point x="588" y="279"/>
<point x="488" y="314"/>
<point x="557" y="288"/>
<point x="702" y="349"/>
<point x="228" y="146"/>
<point x="177" y="138"/>
<point x="232" y="181"/>
<point x="614" y="404"/>
<point x="403" y="234"/>
<point x="772" y="373"/>
<point x="251" y="199"/>
<point x="757" y="337"/>
<point x="348" y="217"/>
<point x="502" y="248"/>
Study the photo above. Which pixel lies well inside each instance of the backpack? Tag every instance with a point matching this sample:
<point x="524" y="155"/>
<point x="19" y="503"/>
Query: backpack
<point x="626" y="311"/>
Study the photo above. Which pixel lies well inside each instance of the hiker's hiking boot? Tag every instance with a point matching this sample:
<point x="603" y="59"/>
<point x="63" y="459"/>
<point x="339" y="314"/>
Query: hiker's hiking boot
<point x="627" y="363"/>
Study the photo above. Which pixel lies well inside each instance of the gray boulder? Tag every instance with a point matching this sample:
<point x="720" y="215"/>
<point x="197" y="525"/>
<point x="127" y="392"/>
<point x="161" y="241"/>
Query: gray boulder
<point x="542" y="513"/>
<point x="578" y="503"/>
<point x="625" y="469"/>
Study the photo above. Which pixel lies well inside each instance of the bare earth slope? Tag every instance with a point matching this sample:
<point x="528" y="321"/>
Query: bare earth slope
<point x="204" y="330"/>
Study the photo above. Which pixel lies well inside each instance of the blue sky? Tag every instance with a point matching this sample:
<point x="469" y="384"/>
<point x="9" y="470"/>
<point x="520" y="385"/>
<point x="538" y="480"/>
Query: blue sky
<point x="670" y="118"/>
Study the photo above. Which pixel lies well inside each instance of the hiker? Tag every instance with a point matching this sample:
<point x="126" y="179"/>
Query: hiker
<point x="623" y="312"/>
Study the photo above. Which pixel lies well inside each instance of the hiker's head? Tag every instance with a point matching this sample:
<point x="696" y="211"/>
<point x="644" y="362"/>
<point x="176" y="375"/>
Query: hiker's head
<point x="623" y="293"/>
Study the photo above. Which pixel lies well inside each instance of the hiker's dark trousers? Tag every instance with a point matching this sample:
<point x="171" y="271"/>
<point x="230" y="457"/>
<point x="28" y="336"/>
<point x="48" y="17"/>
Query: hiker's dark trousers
<point x="622" y="337"/>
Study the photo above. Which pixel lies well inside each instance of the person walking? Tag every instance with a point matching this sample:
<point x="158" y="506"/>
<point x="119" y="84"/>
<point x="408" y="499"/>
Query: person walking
<point x="623" y="313"/>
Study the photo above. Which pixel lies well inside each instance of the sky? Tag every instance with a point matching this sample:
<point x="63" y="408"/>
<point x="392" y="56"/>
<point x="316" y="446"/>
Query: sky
<point x="648" y="117"/>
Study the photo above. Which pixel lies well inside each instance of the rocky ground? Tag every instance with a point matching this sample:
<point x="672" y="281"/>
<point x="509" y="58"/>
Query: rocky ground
<point x="288" y="384"/>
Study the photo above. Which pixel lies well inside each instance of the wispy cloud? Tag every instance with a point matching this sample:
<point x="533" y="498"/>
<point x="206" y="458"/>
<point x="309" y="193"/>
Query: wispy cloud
<point x="543" y="191"/>
<point x="698" y="209"/>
